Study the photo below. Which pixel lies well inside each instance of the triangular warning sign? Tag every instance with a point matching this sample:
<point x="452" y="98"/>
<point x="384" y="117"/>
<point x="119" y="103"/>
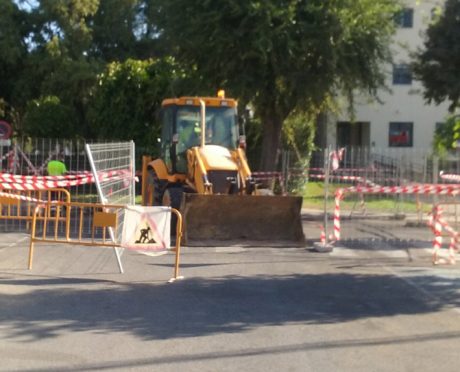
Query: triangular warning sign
<point x="145" y="236"/>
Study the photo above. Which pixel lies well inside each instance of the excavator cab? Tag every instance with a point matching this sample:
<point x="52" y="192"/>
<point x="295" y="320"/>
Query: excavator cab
<point x="182" y="131"/>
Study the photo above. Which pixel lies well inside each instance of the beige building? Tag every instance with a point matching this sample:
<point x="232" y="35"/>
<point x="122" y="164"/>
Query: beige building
<point x="402" y="119"/>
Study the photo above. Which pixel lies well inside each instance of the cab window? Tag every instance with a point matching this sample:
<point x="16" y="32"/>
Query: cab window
<point x="167" y="119"/>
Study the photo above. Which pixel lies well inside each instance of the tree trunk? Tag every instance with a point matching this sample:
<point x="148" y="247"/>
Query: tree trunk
<point x="271" y="140"/>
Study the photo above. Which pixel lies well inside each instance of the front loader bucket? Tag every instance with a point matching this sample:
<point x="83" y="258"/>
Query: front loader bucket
<point x="242" y="219"/>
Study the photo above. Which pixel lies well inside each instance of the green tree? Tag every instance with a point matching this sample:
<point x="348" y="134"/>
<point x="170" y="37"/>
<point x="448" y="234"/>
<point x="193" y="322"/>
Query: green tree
<point x="437" y="64"/>
<point x="47" y="117"/>
<point x="13" y="52"/>
<point x="67" y="44"/>
<point x="62" y="65"/>
<point x="43" y="53"/>
<point x="447" y="136"/>
<point x="116" y="29"/>
<point x="127" y="97"/>
<point x="280" y="55"/>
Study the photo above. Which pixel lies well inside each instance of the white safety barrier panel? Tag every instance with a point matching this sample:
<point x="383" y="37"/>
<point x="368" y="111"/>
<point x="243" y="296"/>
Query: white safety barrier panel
<point x="147" y="229"/>
<point x="118" y="158"/>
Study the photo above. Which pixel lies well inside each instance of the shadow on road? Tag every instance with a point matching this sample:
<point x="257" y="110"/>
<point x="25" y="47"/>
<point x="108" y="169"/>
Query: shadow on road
<point x="197" y="307"/>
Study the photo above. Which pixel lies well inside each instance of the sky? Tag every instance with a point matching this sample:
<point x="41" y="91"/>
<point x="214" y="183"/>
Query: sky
<point x="27" y="4"/>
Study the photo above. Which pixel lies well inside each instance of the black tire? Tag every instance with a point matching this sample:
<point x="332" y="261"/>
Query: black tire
<point x="158" y="187"/>
<point x="172" y="197"/>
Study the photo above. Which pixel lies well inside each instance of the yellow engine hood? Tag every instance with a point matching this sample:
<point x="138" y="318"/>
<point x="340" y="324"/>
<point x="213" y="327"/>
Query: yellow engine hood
<point x="217" y="158"/>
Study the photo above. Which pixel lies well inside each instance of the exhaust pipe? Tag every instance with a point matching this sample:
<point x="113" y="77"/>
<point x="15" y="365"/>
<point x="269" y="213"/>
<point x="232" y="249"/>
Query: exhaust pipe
<point x="203" y="122"/>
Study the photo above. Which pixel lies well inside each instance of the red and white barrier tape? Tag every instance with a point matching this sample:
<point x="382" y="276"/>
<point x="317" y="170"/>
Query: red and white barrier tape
<point x="411" y="189"/>
<point x="267" y="175"/>
<point x="337" y="177"/>
<point x="440" y="189"/>
<point x="21" y="183"/>
<point x="344" y="178"/>
<point x="449" y="177"/>
<point x="8" y="177"/>
<point x="343" y="170"/>
<point x="23" y="198"/>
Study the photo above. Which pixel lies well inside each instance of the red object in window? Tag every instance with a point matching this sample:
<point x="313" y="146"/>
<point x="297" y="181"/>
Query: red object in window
<point x="401" y="138"/>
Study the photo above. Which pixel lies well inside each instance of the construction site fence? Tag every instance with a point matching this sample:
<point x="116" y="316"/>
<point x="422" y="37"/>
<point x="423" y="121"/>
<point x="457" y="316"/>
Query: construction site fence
<point x="92" y="225"/>
<point x="383" y="207"/>
<point x="23" y="166"/>
<point x="375" y="219"/>
<point x="18" y="207"/>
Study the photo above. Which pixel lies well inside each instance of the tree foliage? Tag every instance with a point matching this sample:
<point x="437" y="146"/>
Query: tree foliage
<point x="127" y="96"/>
<point x="47" y="117"/>
<point x="438" y="62"/>
<point x="280" y="55"/>
<point x="56" y="49"/>
<point x="13" y="48"/>
<point x="447" y="136"/>
<point x="103" y="66"/>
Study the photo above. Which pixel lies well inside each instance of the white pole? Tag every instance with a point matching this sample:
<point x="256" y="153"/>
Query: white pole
<point x="326" y="188"/>
<point x="133" y="175"/>
<point x="203" y="122"/>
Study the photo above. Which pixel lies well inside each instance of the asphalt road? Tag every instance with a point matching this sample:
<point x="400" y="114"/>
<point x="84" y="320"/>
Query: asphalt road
<point x="237" y="309"/>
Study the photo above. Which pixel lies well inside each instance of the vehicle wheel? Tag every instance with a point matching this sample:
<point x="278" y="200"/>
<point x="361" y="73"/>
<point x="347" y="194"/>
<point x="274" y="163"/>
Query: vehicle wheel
<point x="172" y="197"/>
<point x="158" y="187"/>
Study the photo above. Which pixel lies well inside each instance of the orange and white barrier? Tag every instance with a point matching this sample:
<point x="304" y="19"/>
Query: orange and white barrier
<point x="322" y="237"/>
<point x="427" y="189"/>
<point x="338" y="197"/>
<point x="437" y="223"/>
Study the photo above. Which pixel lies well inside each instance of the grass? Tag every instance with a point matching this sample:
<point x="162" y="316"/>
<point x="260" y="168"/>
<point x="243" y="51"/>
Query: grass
<point x="94" y="198"/>
<point x="313" y="198"/>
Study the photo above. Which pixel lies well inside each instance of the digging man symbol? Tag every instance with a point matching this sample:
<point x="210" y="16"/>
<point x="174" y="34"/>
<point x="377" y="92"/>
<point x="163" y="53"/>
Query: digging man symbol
<point x="144" y="237"/>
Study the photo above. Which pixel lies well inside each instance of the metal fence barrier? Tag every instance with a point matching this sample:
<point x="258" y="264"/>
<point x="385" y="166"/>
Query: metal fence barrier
<point x="389" y="220"/>
<point x="91" y="222"/>
<point x="18" y="205"/>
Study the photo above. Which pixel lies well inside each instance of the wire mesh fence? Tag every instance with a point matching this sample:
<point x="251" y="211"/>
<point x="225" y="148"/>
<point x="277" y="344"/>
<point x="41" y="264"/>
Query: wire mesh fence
<point x="29" y="157"/>
<point x="377" y="197"/>
<point x="115" y="164"/>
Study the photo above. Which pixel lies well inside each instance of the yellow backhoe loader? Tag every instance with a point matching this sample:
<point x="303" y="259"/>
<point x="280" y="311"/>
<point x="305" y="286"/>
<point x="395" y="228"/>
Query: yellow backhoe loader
<point x="203" y="171"/>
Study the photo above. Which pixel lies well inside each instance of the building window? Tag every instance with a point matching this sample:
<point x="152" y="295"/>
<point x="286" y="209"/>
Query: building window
<point x="401" y="134"/>
<point x="402" y="74"/>
<point x="405" y="18"/>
